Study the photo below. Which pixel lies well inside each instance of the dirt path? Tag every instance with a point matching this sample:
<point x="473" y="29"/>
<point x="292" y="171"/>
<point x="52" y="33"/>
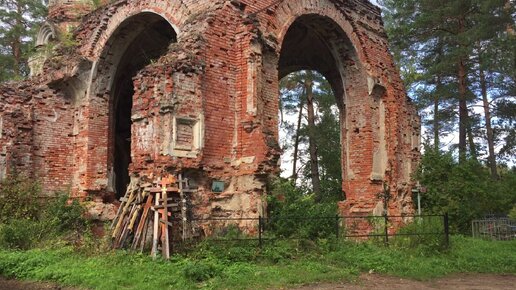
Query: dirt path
<point x="455" y="282"/>
<point x="366" y="281"/>
<point x="23" y="285"/>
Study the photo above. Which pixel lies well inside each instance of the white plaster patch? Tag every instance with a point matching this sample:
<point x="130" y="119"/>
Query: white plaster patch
<point x="3" y="163"/>
<point x="144" y="135"/>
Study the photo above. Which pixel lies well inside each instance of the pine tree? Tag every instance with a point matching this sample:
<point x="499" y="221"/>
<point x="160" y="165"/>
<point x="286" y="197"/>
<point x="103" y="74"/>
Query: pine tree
<point x="19" y="21"/>
<point x="308" y="96"/>
<point x="439" y="40"/>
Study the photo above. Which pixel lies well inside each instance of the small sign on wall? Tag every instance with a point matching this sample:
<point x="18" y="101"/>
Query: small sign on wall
<point x="217" y="186"/>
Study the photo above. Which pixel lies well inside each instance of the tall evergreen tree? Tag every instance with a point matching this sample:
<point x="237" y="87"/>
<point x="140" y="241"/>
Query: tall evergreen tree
<point x="311" y="119"/>
<point x="439" y="40"/>
<point x="19" y="21"/>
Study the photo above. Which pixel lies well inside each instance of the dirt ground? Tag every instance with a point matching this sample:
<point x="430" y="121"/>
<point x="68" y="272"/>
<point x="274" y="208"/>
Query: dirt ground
<point x="455" y="282"/>
<point x="366" y="281"/>
<point x="22" y="285"/>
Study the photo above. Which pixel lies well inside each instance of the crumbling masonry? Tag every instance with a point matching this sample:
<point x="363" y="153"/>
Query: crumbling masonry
<point x="146" y="87"/>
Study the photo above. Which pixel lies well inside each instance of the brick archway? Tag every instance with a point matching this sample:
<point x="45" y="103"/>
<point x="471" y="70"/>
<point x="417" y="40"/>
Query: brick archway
<point x="316" y="42"/>
<point x="112" y="16"/>
<point x="378" y="133"/>
<point x="134" y="44"/>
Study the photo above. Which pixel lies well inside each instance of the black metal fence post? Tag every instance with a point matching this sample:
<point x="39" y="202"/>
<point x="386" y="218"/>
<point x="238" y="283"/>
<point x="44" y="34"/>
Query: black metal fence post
<point x="446" y="231"/>
<point x="260" y="228"/>
<point x="386" y="220"/>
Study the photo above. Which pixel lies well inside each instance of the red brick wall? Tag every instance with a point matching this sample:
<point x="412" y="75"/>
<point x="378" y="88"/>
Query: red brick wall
<point x="223" y="70"/>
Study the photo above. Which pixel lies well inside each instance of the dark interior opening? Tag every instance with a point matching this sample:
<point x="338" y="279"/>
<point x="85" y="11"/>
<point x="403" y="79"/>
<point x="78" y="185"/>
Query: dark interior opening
<point x="153" y="36"/>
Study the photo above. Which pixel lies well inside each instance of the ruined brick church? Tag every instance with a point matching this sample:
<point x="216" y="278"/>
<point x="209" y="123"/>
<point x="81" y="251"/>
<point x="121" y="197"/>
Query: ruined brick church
<point x="148" y="87"/>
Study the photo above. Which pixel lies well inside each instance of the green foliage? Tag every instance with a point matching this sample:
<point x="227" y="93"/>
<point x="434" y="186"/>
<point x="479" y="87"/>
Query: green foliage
<point x="415" y="236"/>
<point x="19" y="21"/>
<point x="431" y="39"/>
<point x="512" y="213"/>
<point x="466" y="191"/>
<point x="201" y="271"/>
<point x="20" y="234"/>
<point x="28" y="221"/>
<point x="325" y="134"/>
<point x="344" y="262"/>
<point x="288" y="208"/>
<point x="65" y="215"/>
<point x="19" y="198"/>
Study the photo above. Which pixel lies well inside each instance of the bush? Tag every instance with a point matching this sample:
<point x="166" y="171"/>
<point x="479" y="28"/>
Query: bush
<point x="65" y="216"/>
<point x="420" y="239"/>
<point x="294" y="213"/>
<point x="466" y="190"/>
<point x="512" y="213"/>
<point x="201" y="271"/>
<point x="21" y="234"/>
<point x="19" y="199"/>
<point x="26" y="221"/>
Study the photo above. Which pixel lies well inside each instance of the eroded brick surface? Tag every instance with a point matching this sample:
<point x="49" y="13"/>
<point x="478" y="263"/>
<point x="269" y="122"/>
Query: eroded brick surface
<point x="206" y="105"/>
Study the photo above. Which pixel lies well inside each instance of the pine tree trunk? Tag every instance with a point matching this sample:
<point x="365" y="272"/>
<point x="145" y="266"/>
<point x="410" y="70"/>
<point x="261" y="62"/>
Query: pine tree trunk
<point x="296" y="141"/>
<point x="471" y="140"/>
<point x="463" y="106"/>
<point x="16" y="42"/>
<point x="463" y="111"/>
<point x="436" y="117"/>
<point x="490" y="135"/>
<point x="314" y="166"/>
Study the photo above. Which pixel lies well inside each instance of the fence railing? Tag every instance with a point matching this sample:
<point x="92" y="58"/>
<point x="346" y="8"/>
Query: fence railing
<point x="263" y="229"/>
<point x="494" y="229"/>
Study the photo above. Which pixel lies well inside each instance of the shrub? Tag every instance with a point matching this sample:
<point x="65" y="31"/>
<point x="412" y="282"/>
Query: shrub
<point x="465" y="190"/>
<point x="512" y="213"/>
<point x="21" y="234"/>
<point x="65" y="216"/>
<point x="25" y="220"/>
<point x="201" y="271"/>
<point x="418" y="235"/>
<point x="19" y="199"/>
<point x="294" y="213"/>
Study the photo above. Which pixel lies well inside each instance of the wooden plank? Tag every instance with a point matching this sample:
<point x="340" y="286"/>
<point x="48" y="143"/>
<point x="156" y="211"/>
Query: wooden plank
<point x="124" y="212"/>
<point x="183" y="208"/>
<point x="165" y="240"/>
<point x="162" y="221"/>
<point x="169" y="189"/>
<point x="145" y="231"/>
<point x="134" y="216"/>
<point x="142" y="222"/>
<point x="155" y="228"/>
<point x="169" y="205"/>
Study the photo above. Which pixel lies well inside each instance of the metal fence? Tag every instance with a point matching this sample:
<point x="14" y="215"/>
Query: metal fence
<point x="502" y="229"/>
<point x="261" y="230"/>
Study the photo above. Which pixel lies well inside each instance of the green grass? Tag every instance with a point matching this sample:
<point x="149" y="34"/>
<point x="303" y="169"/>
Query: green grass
<point x="240" y="267"/>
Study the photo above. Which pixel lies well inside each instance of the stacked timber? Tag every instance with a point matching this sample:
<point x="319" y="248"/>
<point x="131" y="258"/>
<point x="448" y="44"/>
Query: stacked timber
<point x="148" y="210"/>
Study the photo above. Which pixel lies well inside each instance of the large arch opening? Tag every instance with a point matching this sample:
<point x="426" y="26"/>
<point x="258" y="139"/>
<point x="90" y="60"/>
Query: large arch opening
<point x="316" y="47"/>
<point x="136" y="43"/>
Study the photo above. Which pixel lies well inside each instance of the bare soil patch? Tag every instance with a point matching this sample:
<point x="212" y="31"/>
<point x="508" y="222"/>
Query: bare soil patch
<point x="6" y="284"/>
<point x="455" y="282"/>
